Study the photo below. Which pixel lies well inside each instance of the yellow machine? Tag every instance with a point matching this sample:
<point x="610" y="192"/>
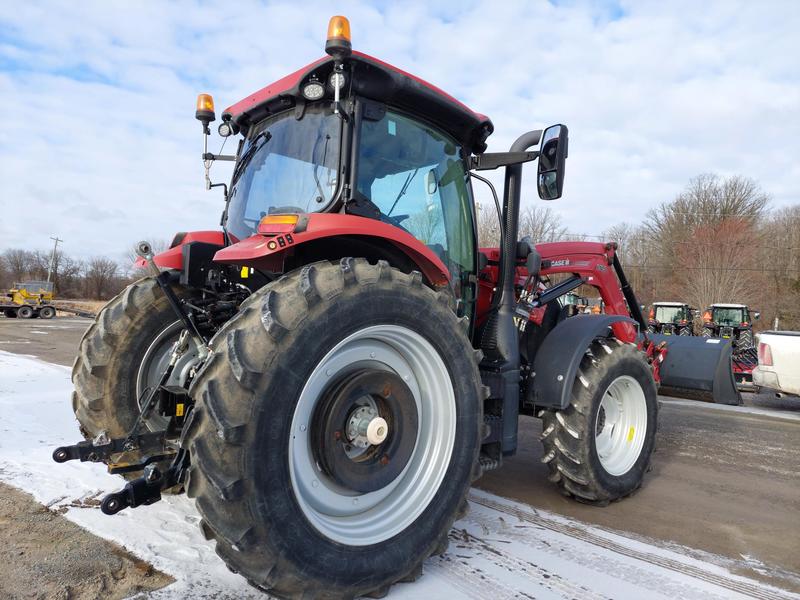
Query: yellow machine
<point x="29" y="300"/>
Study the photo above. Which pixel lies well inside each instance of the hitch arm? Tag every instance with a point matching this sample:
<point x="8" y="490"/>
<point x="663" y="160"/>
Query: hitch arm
<point x="147" y="489"/>
<point x="98" y="452"/>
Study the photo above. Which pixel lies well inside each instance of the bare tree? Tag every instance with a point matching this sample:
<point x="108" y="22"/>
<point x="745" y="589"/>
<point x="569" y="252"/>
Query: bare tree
<point x="427" y="226"/>
<point x="100" y="275"/>
<point x="18" y="263"/>
<point x="541" y="223"/>
<point x="488" y="226"/>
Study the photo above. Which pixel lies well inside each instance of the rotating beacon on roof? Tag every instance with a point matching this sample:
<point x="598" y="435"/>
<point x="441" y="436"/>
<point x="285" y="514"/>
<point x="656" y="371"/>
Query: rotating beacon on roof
<point x="328" y="373"/>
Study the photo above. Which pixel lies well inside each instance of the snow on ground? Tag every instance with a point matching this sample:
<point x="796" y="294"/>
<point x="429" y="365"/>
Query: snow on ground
<point x="501" y="549"/>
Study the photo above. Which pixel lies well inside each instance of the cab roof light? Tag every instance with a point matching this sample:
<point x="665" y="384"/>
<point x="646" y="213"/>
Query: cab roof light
<point x="205" y="108"/>
<point x="338" y="43"/>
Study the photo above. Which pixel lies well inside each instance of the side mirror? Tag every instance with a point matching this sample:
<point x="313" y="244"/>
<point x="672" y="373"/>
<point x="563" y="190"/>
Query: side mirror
<point x="756" y="315"/>
<point x="431" y="183"/>
<point x="552" y="157"/>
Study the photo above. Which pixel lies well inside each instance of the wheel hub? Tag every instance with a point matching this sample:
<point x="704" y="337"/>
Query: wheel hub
<point x="364" y="429"/>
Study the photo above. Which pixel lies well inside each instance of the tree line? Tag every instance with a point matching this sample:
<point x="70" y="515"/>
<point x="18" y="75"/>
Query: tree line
<point x="96" y="278"/>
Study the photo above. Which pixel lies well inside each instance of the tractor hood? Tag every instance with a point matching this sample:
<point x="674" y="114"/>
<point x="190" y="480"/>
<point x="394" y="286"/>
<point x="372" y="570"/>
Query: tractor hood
<point x="376" y="80"/>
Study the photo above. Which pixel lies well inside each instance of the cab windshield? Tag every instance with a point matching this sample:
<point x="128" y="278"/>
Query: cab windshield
<point x="286" y="165"/>
<point x="729" y="316"/>
<point x="671" y="314"/>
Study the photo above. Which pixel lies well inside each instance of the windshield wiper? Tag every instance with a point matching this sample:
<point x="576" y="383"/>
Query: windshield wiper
<point x="402" y="191"/>
<point x="321" y="197"/>
<point x="255" y="145"/>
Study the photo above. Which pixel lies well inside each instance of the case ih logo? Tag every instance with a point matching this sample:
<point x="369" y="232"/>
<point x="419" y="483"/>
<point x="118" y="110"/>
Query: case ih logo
<point x="560" y="263"/>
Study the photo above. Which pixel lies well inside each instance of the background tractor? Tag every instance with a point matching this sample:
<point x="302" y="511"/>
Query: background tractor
<point x="731" y="322"/>
<point x="328" y="373"/>
<point x="735" y="322"/>
<point x="28" y="300"/>
<point x="671" y="318"/>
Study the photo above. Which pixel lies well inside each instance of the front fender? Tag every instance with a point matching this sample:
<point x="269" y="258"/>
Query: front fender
<point x="558" y="358"/>
<point x="173" y="257"/>
<point x="268" y="251"/>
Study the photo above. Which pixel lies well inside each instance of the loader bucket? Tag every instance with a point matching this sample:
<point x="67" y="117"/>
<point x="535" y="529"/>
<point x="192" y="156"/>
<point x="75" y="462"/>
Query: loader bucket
<point x="698" y="368"/>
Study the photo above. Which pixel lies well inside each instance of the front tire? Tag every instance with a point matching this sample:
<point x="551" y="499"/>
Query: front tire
<point x="598" y="448"/>
<point x="292" y="500"/>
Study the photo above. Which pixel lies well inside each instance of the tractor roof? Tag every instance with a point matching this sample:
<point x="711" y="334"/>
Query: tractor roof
<point x="670" y="304"/>
<point x="728" y="306"/>
<point x="378" y="81"/>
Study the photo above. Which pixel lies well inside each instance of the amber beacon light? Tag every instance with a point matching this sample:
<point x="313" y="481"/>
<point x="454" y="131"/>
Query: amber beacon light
<point x="338" y="42"/>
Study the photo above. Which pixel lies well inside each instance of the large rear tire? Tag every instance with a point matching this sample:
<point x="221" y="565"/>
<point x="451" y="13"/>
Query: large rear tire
<point x="47" y="312"/>
<point x="296" y="501"/>
<point x="598" y="448"/>
<point x="25" y="312"/>
<point x="122" y="354"/>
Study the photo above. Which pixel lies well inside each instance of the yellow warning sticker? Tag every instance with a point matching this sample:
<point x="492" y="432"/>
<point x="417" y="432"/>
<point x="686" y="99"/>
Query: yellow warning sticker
<point x="245" y="273"/>
<point x="179" y="411"/>
<point x="631" y="431"/>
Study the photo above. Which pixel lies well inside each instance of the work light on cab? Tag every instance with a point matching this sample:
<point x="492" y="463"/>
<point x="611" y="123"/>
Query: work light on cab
<point x="313" y="90"/>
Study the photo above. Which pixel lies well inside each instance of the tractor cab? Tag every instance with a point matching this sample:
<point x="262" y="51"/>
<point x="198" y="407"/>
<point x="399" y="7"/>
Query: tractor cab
<point x="351" y="136"/>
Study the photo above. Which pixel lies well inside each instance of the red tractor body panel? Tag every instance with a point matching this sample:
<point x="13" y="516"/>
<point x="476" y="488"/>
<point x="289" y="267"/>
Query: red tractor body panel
<point x="591" y="260"/>
<point x="268" y="251"/>
<point x="173" y="258"/>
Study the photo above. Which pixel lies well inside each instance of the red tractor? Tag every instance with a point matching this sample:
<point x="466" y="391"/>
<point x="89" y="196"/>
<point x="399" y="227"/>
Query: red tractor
<point x="328" y="373"/>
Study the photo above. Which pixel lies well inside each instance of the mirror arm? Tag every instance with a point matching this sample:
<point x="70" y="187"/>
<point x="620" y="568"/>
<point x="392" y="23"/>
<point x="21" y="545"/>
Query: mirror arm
<point x="493" y="160"/>
<point x="210" y="156"/>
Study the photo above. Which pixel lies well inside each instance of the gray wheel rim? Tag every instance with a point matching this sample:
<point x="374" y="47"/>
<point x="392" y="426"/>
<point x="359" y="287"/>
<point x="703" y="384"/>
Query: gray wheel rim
<point x="356" y="519"/>
<point x="621" y="425"/>
<point x="155" y="361"/>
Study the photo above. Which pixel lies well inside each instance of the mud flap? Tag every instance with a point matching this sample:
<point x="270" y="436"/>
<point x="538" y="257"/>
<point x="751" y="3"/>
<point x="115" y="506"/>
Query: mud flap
<point x="698" y="368"/>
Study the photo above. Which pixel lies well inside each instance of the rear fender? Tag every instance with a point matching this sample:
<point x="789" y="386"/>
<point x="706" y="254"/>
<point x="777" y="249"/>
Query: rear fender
<point x="269" y="252"/>
<point x="556" y="363"/>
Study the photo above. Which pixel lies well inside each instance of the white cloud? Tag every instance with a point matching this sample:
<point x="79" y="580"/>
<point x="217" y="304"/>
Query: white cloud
<point x="99" y="144"/>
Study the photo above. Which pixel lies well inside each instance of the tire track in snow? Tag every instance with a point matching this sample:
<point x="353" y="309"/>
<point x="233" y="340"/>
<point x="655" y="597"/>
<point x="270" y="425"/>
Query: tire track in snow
<point x="740" y="586"/>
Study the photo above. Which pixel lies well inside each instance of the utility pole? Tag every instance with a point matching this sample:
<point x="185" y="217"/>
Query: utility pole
<point x="53" y="257"/>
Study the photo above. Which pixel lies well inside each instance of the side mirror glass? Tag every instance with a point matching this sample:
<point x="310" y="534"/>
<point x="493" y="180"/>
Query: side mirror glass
<point x="431" y="183"/>
<point x="756" y="315"/>
<point x="552" y="158"/>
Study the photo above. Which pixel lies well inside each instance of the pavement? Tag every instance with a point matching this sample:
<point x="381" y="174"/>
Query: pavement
<point x="724" y="486"/>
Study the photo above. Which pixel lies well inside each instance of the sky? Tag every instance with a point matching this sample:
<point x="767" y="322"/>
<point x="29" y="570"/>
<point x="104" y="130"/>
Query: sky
<point x="100" y="147"/>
